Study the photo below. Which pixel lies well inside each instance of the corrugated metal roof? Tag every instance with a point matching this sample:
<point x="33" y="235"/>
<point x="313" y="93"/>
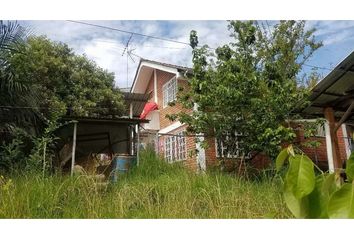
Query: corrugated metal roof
<point x="138" y="100"/>
<point x="336" y="90"/>
<point x="121" y="120"/>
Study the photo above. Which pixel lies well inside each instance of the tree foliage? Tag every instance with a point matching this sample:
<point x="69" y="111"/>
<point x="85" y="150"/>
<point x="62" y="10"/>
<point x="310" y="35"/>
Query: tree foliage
<point x="42" y="81"/>
<point x="247" y="89"/>
<point x="67" y="83"/>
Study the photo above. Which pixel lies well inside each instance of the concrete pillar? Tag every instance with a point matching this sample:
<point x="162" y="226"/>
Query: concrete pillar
<point x="329" y="115"/>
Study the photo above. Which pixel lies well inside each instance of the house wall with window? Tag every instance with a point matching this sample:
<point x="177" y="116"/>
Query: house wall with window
<point x="174" y="146"/>
<point x="231" y="160"/>
<point x="319" y="153"/>
<point x="163" y="79"/>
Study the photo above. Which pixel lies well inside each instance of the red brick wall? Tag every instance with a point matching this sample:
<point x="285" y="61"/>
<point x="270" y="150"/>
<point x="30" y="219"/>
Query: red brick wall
<point x="319" y="154"/>
<point x="191" y="160"/>
<point x="260" y="161"/>
<point x="210" y="153"/>
<point x="162" y="78"/>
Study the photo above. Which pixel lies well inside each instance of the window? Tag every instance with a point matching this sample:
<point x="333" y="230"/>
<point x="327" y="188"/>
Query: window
<point x="175" y="147"/>
<point x="169" y="91"/>
<point x="320" y="131"/>
<point x="227" y="149"/>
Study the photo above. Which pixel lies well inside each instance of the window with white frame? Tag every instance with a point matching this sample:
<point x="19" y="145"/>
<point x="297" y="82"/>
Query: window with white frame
<point x="320" y="131"/>
<point x="175" y="147"/>
<point x="169" y="91"/>
<point x="227" y="148"/>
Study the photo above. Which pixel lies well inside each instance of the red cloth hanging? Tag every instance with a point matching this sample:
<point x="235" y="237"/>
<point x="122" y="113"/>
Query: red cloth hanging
<point x="150" y="106"/>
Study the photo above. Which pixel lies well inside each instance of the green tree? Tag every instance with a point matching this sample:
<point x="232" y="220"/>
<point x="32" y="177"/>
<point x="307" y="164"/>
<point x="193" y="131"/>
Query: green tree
<point x="67" y="83"/>
<point x="47" y="80"/>
<point x="246" y="90"/>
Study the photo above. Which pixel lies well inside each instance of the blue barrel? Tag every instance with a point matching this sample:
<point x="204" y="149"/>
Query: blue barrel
<point x="122" y="164"/>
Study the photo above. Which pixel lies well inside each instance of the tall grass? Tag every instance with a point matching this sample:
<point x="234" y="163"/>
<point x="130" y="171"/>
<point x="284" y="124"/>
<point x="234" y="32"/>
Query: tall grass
<point x="153" y="190"/>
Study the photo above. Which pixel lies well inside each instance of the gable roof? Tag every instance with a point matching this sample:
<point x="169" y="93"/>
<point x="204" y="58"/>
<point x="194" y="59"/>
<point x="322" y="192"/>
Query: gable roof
<point x="158" y="65"/>
<point x="166" y="64"/>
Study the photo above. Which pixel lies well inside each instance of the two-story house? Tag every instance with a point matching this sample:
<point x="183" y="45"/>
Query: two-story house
<point x="162" y="81"/>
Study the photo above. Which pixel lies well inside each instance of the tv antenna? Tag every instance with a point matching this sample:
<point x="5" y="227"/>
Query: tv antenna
<point x="128" y="52"/>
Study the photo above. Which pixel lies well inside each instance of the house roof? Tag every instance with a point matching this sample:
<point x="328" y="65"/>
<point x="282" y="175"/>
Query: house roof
<point x="336" y="90"/>
<point x="151" y="64"/>
<point x="167" y="64"/>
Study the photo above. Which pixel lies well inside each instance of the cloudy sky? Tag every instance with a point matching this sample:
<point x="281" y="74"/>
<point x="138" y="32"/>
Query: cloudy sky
<point x="106" y="46"/>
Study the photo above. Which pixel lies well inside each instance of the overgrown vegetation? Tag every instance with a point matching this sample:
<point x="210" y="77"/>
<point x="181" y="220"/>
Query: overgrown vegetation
<point x="153" y="190"/>
<point x="42" y="81"/>
<point x="245" y="91"/>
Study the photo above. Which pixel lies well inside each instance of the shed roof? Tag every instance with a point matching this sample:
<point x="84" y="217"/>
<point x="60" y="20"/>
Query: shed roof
<point x="138" y="100"/>
<point x="98" y="135"/>
<point x="121" y="120"/>
<point x="336" y="90"/>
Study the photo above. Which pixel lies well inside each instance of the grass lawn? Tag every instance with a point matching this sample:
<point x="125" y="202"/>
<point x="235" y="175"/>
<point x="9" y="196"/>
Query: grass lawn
<point x="154" y="190"/>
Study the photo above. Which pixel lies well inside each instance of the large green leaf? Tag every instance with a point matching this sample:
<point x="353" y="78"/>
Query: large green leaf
<point x="341" y="203"/>
<point x="300" y="178"/>
<point x="329" y="185"/>
<point x="279" y="162"/>
<point x="319" y="197"/>
<point x="349" y="170"/>
<point x="317" y="201"/>
<point x="298" y="207"/>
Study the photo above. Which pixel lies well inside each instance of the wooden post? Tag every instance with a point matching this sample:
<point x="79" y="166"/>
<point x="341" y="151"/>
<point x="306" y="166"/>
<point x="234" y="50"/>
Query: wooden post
<point x="131" y="110"/>
<point x="329" y="115"/>
<point x="73" y="149"/>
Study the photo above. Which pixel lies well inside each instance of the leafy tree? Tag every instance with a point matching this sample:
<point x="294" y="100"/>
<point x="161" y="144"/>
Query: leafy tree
<point x="246" y="90"/>
<point x="44" y="80"/>
<point x="67" y="83"/>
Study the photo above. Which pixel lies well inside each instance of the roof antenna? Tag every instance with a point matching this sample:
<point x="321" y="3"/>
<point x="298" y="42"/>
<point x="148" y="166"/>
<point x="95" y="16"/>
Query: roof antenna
<point x="126" y="49"/>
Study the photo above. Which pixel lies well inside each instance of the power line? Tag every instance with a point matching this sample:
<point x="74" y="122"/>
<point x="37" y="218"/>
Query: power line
<point x="128" y="32"/>
<point x="163" y="39"/>
<point x="324" y="68"/>
<point x="119" y="45"/>
<point x="152" y="46"/>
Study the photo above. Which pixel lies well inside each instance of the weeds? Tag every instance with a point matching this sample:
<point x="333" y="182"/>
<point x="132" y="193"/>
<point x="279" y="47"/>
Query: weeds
<point x="153" y="190"/>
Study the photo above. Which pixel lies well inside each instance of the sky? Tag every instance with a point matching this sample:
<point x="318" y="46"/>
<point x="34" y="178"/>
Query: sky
<point x="106" y="47"/>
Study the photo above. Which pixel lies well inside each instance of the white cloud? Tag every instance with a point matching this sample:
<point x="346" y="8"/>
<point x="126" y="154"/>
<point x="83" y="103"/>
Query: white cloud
<point x="333" y="32"/>
<point x="106" y="46"/>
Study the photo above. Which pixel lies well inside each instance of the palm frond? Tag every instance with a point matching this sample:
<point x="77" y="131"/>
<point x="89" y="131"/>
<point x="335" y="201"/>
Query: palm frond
<point x="17" y="99"/>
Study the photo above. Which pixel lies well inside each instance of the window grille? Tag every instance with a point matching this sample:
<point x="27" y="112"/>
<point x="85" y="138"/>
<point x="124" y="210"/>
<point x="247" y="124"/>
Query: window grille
<point x="169" y="91"/>
<point x="226" y="149"/>
<point x="175" y="147"/>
